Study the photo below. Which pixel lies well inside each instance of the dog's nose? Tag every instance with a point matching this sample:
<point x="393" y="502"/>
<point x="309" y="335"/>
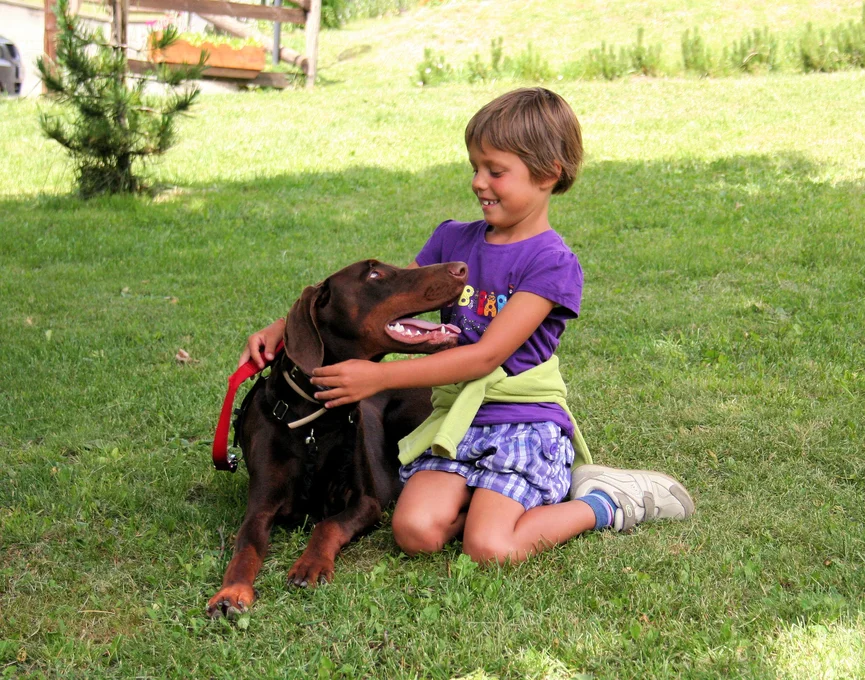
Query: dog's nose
<point x="458" y="269"/>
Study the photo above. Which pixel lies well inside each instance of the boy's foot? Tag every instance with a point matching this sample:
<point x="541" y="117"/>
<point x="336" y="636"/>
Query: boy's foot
<point x="639" y="494"/>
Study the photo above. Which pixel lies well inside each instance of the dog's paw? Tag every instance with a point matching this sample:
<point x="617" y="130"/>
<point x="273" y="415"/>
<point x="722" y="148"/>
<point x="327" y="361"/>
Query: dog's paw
<point x="231" y="601"/>
<point x="310" y="571"/>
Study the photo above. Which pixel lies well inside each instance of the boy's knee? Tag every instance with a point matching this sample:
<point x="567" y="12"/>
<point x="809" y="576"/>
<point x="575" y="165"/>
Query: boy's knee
<point x="417" y="534"/>
<point x="487" y="549"/>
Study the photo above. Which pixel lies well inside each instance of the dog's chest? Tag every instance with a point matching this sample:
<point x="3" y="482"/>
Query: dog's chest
<point x="327" y="476"/>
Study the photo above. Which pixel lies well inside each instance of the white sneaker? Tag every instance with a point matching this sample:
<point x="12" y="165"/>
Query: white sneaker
<point x="639" y="495"/>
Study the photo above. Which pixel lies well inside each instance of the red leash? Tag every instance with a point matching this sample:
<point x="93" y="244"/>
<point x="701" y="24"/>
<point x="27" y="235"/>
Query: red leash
<point x="222" y="460"/>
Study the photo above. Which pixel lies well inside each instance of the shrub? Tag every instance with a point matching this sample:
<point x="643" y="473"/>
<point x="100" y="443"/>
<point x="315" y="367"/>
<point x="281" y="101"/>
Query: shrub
<point x="111" y="124"/>
<point x="696" y="57"/>
<point x="433" y="69"/>
<point x="603" y="62"/>
<point x="645" y="60"/>
<point x="818" y="53"/>
<point x="496" y="53"/>
<point x="529" y="65"/>
<point x="849" y="39"/>
<point x="754" y="53"/>
<point x="479" y="71"/>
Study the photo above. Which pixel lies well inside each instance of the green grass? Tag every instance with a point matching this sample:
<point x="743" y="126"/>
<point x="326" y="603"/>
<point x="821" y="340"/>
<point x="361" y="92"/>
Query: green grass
<point x="719" y="224"/>
<point x="561" y="32"/>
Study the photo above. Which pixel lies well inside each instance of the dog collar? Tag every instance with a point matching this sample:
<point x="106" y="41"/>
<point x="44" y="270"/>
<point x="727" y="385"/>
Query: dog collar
<point x="222" y="459"/>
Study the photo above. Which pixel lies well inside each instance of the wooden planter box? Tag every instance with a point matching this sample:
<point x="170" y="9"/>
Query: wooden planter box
<point x="247" y="59"/>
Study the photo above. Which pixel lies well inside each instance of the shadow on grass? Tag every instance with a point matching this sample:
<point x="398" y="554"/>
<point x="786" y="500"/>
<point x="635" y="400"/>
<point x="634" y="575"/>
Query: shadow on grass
<point x="98" y="296"/>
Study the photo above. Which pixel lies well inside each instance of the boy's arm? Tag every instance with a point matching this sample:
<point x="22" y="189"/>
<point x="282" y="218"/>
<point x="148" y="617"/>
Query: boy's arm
<point x="353" y="380"/>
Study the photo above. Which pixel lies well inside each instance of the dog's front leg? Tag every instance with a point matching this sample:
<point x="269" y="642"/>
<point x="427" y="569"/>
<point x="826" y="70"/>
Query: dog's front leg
<point x="328" y="538"/>
<point x="237" y="592"/>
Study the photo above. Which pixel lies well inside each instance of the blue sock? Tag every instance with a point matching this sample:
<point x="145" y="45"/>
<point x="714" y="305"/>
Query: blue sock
<point x="602" y="505"/>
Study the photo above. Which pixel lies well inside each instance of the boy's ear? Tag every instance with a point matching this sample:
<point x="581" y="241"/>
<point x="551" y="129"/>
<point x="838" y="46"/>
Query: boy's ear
<point x="552" y="180"/>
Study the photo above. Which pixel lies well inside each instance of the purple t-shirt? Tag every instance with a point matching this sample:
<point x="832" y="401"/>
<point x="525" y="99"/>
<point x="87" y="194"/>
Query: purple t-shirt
<point x="542" y="265"/>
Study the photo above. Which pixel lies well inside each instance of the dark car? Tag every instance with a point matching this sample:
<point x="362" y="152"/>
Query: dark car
<point x="11" y="70"/>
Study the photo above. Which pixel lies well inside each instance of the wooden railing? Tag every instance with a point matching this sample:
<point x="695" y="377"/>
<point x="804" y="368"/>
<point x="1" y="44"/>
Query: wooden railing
<point x="305" y="13"/>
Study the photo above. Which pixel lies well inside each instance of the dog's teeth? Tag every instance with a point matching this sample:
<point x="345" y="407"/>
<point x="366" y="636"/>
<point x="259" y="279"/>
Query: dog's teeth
<point x="398" y="327"/>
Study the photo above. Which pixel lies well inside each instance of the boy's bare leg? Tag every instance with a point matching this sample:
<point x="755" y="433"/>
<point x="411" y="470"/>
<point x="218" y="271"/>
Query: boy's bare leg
<point x="430" y="511"/>
<point x="498" y="528"/>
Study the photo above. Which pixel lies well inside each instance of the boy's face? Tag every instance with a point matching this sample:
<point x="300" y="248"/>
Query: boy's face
<point x="510" y="198"/>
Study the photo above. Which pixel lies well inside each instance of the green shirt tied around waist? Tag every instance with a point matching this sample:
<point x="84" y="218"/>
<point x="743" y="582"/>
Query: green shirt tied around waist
<point x="455" y="406"/>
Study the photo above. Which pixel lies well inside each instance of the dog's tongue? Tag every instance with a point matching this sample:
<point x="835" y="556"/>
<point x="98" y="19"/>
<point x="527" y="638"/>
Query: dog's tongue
<point x="424" y="325"/>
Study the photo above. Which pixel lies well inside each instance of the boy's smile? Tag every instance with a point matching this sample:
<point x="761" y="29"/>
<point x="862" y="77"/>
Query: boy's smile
<point x="513" y="203"/>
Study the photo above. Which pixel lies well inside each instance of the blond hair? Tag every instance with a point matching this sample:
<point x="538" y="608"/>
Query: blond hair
<point x="538" y="126"/>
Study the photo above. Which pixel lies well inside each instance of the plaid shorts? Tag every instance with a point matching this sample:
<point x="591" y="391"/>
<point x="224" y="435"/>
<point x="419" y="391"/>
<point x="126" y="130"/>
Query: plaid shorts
<point x="528" y="462"/>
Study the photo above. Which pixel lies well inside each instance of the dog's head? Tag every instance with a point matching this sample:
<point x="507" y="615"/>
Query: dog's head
<point x="363" y="312"/>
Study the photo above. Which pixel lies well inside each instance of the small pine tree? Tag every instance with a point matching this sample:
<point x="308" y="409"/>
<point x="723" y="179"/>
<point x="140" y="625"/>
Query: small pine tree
<point x="111" y="123"/>
<point x="696" y="57"/>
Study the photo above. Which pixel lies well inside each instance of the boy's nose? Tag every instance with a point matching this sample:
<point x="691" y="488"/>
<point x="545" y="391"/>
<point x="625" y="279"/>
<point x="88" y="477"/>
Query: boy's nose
<point x="478" y="183"/>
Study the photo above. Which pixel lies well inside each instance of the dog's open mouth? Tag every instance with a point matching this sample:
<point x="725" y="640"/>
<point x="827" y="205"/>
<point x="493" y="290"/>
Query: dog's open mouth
<point x="416" y="331"/>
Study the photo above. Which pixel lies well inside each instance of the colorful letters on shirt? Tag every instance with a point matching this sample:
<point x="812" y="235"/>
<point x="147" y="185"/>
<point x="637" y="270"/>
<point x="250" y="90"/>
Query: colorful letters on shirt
<point x="485" y="303"/>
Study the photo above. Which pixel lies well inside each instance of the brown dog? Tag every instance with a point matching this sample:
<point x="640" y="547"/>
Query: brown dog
<point x="338" y="467"/>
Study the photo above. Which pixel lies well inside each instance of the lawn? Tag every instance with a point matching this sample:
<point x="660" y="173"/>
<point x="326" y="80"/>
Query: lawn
<point x="720" y="226"/>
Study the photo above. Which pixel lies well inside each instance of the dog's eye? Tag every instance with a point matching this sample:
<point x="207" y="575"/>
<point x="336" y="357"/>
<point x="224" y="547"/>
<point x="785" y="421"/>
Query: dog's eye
<point x="374" y="274"/>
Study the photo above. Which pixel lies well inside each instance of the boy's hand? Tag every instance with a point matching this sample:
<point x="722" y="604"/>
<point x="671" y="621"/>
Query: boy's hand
<point x="261" y="345"/>
<point x="348" y="381"/>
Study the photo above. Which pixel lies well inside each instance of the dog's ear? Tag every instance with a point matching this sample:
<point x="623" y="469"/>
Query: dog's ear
<point x="303" y="343"/>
